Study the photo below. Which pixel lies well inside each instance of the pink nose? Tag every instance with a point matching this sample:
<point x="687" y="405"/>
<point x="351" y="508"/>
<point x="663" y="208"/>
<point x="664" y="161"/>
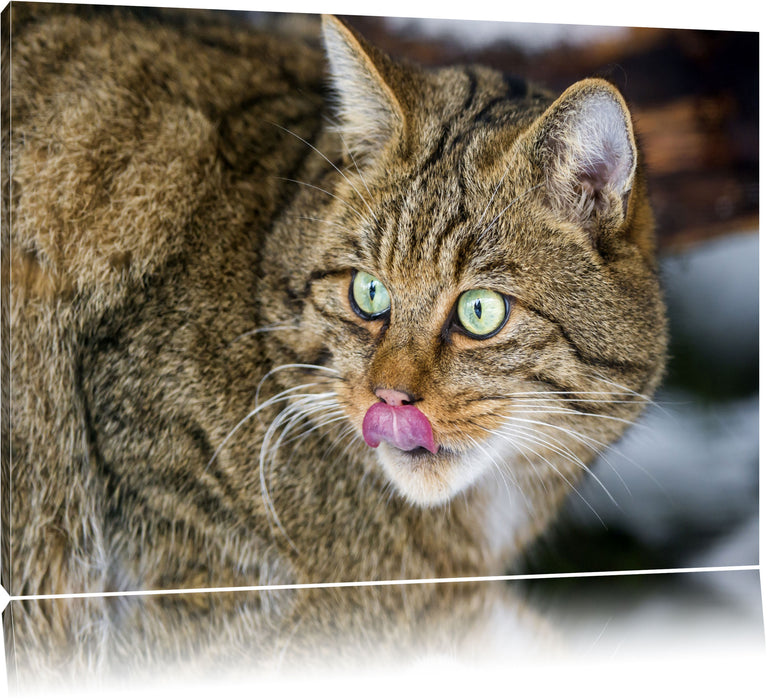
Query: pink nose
<point x="393" y="397"/>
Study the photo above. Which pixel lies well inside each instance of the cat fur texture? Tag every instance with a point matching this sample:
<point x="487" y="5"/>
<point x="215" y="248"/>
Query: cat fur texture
<point x="189" y="205"/>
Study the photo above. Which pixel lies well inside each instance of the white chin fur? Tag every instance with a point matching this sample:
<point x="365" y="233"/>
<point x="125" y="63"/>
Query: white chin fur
<point x="433" y="480"/>
<point x="430" y="480"/>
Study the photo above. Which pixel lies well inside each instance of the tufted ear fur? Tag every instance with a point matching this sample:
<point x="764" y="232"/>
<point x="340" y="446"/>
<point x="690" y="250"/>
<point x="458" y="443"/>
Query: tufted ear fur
<point x="584" y="145"/>
<point x="370" y="115"/>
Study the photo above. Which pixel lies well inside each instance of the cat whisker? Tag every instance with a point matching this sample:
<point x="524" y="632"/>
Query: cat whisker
<point x="259" y="407"/>
<point x="307" y="406"/>
<point x="347" y="429"/>
<point x="621" y="387"/>
<point x="334" y="417"/>
<point x="264" y="329"/>
<point x="628" y="391"/>
<point x="601" y="448"/>
<point x="503" y="211"/>
<point x="335" y="127"/>
<point x="301" y="409"/>
<point x="277" y="398"/>
<point x="521" y="445"/>
<point x="324" y="191"/>
<point x="526" y="458"/>
<point x="543" y="439"/>
<point x="560" y="399"/>
<point x="298" y="415"/>
<point x="388" y="491"/>
<point x="294" y="365"/>
<point x="493" y="196"/>
<point x="567" y="406"/>
<point x="573" y="412"/>
<point x="503" y="471"/>
<point x="599" y="396"/>
<point x="533" y="438"/>
<point x="531" y="402"/>
<point x="324" y="221"/>
<point x="558" y="448"/>
<point x="623" y="395"/>
<point x="637" y="398"/>
<point x="598" y="447"/>
<point x="345" y="177"/>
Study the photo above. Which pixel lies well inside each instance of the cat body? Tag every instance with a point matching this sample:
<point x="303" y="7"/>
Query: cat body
<point x="213" y="284"/>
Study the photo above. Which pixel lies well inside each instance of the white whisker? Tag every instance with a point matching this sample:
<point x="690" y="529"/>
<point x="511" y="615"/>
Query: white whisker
<point x="493" y="196"/>
<point x="585" y="439"/>
<point x="345" y="177"/>
<point x="350" y="154"/>
<point x="291" y="415"/>
<point x="264" y="329"/>
<point x="520" y="446"/>
<point x="301" y="404"/>
<point x="277" y="398"/>
<point x="347" y="429"/>
<point x="292" y="365"/>
<point x="646" y="399"/>
<point x="336" y="224"/>
<point x="505" y="473"/>
<point x="501" y="213"/>
<point x="562" y="451"/>
<point x="569" y="411"/>
<point x="333" y="196"/>
<point x="574" y="393"/>
<point x="305" y="406"/>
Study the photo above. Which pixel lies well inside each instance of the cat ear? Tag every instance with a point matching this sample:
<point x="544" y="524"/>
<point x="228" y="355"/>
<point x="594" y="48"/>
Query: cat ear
<point x="369" y="113"/>
<point x="584" y="145"/>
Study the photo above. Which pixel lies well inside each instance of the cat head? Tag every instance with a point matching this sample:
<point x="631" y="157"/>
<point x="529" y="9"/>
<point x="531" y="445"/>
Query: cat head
<point x="483" y="284"/>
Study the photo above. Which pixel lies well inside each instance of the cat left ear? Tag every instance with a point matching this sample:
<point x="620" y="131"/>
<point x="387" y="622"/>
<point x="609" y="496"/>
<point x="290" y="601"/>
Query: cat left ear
<point x="585" y="146"/>
<point x="370" y="115"/>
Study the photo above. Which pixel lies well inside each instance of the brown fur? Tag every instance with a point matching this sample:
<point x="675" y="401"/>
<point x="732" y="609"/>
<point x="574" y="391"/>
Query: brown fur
<point x="176" y="241"/>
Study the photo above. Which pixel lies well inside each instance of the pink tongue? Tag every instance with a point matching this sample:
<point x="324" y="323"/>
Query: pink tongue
<point x="404" y="427"/>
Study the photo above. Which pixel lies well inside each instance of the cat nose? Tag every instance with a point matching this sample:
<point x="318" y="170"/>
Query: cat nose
<point x="394" y="397"/>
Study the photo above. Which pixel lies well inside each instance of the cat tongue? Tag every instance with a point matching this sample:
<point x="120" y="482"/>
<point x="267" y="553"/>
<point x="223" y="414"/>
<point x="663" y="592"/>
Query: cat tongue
<point x="404" y="427"/>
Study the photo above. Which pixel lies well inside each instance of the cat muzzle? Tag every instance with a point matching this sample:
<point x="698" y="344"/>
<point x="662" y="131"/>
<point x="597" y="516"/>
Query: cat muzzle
<point x="404" y="427"/>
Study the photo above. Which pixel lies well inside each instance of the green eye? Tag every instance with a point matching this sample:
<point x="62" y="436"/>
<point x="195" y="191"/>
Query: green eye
<point x="481" y="312"/>
<point x="369" y="296"/>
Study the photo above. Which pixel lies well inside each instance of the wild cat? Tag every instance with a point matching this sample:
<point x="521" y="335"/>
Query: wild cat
<point x="288" y="314"/>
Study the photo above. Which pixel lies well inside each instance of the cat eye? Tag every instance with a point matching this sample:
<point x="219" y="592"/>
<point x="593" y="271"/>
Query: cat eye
<point x="368" y="296"/>
<point x="482" y="313"/>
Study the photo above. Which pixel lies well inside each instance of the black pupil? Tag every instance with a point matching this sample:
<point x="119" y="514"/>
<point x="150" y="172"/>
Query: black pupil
<point x="478" y="308"/>
<point x="372" y="291"/>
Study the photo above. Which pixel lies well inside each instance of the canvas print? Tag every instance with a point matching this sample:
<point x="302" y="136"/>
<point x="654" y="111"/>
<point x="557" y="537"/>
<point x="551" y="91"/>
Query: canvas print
<point x="332" y="338"/>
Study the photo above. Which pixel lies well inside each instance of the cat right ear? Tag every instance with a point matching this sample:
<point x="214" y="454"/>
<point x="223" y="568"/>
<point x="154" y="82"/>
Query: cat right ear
<point x="585" y="148"/>
<point x="370" y="116"/>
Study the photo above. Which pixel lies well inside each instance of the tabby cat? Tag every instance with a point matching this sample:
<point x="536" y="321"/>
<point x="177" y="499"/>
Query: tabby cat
<point x="281" y="318"/>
